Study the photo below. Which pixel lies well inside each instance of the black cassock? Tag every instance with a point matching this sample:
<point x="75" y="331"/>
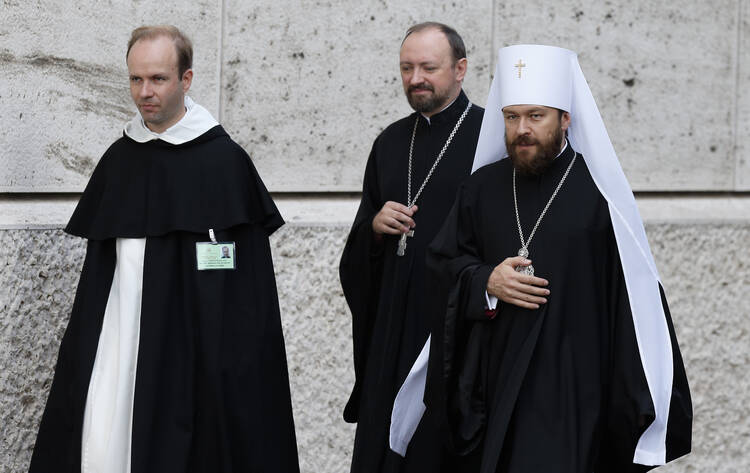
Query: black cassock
<point x="212" y="389"/>
<point x="558" y="389"/>
<point x="385" y="292"/>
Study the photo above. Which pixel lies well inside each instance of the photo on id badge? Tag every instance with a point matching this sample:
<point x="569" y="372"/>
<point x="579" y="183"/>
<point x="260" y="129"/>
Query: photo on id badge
<point x="219" y="255"/>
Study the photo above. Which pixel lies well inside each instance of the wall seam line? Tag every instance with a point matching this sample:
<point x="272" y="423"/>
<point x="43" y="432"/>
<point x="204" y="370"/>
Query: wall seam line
<point x="737" y="79"/>
<point x="220" y="66"/>
<point x="492" y="43"/>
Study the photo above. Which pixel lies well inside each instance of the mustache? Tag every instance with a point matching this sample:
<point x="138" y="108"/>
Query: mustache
<point x="412" y="88"/>
<point x="524" y="141"/>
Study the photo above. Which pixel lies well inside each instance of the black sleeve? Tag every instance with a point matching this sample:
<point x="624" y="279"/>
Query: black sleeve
<point x="454" y="257"/>
<point x="360" y="271"/>
<point x="457" y="281"/>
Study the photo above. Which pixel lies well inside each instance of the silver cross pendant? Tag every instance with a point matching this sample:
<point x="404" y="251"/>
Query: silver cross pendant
<point x="527" y="270"/>
<point x="402" y="243"/>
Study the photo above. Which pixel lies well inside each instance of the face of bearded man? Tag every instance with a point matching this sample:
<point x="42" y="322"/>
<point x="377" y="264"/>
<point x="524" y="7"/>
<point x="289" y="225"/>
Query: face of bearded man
<point x="431" y="76"/>
<point x="534" y="136"/>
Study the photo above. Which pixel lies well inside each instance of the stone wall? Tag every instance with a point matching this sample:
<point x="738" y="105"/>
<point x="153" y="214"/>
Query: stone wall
<point x="306" y="85"/>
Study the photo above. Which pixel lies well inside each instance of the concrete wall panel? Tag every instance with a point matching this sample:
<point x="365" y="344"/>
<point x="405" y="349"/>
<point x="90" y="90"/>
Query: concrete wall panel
<point x="663" y="75"/>
<point x="63" y="82"/>
<point x="308" y="86"/>
<point x="705" y="270"/>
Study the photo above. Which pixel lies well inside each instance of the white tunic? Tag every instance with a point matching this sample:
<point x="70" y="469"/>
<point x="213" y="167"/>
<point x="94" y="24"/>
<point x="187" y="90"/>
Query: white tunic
<point x="108" y="418"/>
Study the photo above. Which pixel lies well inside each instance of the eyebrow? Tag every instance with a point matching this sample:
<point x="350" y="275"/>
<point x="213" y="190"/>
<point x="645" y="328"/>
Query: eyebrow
<point x="151" y="76"/>
<point x="423" y="63"/>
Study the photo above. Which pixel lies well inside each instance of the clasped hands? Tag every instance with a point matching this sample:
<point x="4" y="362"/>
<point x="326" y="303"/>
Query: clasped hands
<point x="516" y="288"/>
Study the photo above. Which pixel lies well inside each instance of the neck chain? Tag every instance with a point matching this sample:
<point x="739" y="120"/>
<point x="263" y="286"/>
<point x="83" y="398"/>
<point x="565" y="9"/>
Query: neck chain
<point x="409" y="201"/>
<point x="524" y="250"/>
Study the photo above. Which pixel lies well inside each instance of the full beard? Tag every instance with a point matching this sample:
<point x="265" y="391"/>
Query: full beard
<point x="426" y="103"/>
<point x="538" y="163"/>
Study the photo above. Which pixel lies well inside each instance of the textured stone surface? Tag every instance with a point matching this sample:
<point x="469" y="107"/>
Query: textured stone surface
<point x="706" y="276"/>
<point x="63" y="82"/>
<point x="705" y="270"/>
<point x="317" y="329"/>
<point x="38" y="276"/>
<point x="308" y="85"/>
<point x="663" y="75"/>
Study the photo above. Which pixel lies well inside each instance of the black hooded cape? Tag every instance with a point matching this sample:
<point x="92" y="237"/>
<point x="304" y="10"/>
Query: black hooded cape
<point x="385" y="292"/>
<point x="558" y="389"/>
<point x="212" y="390"/>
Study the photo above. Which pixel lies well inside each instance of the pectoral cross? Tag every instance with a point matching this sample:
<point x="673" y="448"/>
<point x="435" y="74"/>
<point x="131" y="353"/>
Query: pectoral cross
<point x="519" y="66"/>
<point x="402" y="242"/>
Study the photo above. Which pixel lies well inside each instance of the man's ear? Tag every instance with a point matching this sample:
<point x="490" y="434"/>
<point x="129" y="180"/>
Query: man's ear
<point x="565" y="121"/>
<point x="460" y="68"/>
<point x="187" y="80"/>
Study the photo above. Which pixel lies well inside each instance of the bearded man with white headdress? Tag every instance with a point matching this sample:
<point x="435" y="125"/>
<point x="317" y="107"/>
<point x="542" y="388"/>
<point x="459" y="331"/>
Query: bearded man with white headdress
<point x="553" y="348"/>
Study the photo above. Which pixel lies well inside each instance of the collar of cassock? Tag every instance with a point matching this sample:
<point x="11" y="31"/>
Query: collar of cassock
<point x="551" y="76"/>
<point x="196" y="121"/>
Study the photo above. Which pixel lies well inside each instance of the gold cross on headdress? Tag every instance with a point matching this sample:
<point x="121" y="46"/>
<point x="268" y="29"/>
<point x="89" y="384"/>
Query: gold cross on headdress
<point x="519" y="66"/>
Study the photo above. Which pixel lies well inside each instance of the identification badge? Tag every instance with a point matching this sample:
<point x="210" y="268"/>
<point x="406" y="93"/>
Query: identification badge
<point x="218" y="255"/>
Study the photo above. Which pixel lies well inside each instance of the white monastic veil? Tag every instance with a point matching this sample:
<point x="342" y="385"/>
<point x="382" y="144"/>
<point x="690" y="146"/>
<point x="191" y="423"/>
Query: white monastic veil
<point x="544" y="70"/>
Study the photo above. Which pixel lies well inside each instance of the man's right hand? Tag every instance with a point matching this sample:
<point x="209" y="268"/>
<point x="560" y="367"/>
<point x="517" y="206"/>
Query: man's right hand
<point x="516" y="288"/>
<point x="394" y="219"/>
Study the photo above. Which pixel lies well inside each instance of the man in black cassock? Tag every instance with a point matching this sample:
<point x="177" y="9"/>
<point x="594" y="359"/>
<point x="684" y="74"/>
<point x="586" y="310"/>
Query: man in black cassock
<point x="572" y="366"/>
<point x="173" y="360"/>
<point x="382" y="267"/>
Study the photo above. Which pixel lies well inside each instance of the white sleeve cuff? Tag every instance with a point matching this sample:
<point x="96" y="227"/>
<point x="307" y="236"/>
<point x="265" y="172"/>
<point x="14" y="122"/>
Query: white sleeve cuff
<point x="491" y="301"/>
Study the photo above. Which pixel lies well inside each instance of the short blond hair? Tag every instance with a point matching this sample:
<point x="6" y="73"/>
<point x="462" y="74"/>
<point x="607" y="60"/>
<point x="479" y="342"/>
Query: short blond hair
<point x="182" y="43"/>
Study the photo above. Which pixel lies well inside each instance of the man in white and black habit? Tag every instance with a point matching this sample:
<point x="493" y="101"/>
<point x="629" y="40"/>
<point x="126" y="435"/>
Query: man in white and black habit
<point x="412" y="174"/>
<point x="171" y="362"/>
<point x="553" y="348"/>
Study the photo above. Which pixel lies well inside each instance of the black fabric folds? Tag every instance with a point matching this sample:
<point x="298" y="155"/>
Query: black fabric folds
<point x="211" y="385"/>
<point x="385" y="292"/>
<point x="560" y="388"/>
<point x="150" y="189"/>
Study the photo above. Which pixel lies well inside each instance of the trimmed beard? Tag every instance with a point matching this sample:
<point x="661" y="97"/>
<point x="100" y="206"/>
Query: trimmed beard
<point x="537" y="164"/>
<point x="426" y="104"/>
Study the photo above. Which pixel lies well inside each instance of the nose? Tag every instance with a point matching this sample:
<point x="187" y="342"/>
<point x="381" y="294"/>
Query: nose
<point x="146" y="89"/>
<point x="523" y="126"/>
<point x="416" y="77"/>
